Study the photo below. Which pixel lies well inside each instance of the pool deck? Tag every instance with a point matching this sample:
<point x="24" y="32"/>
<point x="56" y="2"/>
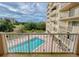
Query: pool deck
<point x="40" y="55"/>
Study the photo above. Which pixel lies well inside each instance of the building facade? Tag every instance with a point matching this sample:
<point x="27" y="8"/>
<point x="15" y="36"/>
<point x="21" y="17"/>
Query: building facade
<point x="63" y="18"/>
<point x="52" y="15"/>
<point x="70" y="17"/>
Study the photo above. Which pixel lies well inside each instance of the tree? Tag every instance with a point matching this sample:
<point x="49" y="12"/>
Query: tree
<point x="41" y="26"/>
<point x="6" y="25"/>
<point x="30" y="26"/>
<point x="35" y="26"/>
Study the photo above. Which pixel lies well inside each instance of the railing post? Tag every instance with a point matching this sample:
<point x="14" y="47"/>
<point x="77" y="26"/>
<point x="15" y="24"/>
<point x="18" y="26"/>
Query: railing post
<point x="2" y="45"/>
<point x="77" y="46"/>
<point x="28" y="44"/>
<point x="52" y="43"/>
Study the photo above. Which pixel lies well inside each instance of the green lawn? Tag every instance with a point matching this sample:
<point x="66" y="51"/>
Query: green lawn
<point x="29" y="31"/>
<point x="34" y="31"/>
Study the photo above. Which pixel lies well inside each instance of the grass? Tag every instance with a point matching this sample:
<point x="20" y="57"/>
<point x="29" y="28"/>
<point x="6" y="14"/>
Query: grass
<point x="25" y="31"/>
<point x="28" y="31"/>
<point x="34" y="31"/>
<point x="18" y="25"/>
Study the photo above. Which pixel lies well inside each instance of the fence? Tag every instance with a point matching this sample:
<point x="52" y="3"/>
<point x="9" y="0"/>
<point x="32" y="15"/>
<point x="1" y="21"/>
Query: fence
<point x="41" y="43"/>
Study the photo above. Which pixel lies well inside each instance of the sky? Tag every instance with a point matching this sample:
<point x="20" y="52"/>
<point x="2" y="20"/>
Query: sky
<point x="23" y="11"/>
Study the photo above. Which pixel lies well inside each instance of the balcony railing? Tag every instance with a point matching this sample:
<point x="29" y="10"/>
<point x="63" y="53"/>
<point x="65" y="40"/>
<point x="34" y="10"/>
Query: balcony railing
<point x="67" y="6"/>
<point x="40" y="43"/>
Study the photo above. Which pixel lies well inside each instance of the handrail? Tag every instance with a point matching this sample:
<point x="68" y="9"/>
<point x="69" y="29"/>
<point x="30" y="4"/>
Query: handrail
<point x="41" y="33"/>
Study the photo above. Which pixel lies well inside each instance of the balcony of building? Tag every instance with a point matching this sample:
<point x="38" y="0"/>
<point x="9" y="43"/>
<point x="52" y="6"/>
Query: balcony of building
<point x="70" y="18"/>
<point x="70" y="15"/>
<point x="53" y="13"/>
<point x="44" y="44"/>
<point x="67" y="6"/>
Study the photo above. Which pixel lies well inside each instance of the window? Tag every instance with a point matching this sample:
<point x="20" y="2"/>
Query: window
<point x="70" y="26"/>
<point x="68" y="36"/>
<point x="55" y="22"/>
<point x="53" y="9"/>
<point x="48" y="9"/>
<point x="54" y="29"/>
<point x="71" y="12"/>
<point x="47" y="13"/>
<point x="48" y="17"/>
<point x="75" y="23"/>
<point x="51" y="4"/>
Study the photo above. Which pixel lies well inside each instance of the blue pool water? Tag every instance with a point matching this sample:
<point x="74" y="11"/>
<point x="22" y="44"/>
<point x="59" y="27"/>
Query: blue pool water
<point x="26" y="47"/>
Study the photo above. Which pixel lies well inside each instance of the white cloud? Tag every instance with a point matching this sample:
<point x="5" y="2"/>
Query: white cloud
<point x="24" y="11"/>
<point x="10" y="15"/>
<point x="38" y="4"/>
<point x="8" y="7"/>
<point x="22" y="8"/>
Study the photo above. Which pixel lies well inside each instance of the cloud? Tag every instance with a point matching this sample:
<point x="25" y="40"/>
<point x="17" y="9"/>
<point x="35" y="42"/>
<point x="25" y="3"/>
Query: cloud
<point x="24" y="11"/>
<point x="8" y="7"/>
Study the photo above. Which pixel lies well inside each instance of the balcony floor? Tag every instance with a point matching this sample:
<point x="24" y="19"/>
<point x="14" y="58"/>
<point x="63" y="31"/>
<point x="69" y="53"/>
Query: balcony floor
<point x="41" y="55"/>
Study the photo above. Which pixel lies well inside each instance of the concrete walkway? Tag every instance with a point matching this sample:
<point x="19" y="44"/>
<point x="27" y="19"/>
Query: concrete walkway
<point x="40" y="55"/>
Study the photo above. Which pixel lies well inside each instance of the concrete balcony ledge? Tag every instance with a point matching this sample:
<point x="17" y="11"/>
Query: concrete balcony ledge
<point x="53" y="13"/>
<point x="69" y="6"/>
<point x="70" y="18"/>
<point x="41" y="55"/>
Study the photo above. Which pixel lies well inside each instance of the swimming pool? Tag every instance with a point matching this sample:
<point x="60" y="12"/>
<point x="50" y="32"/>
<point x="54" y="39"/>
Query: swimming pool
<point x="26" y="47"/>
